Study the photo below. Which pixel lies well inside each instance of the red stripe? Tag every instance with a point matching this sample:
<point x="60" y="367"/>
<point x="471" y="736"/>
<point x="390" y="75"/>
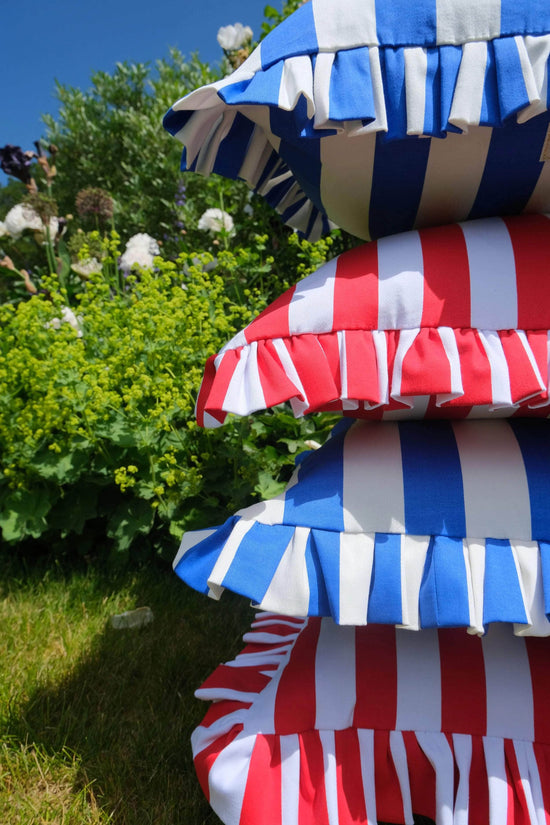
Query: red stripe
<point x="356" y="289"/>
<point x="362" y="367"/>
<point x="208" y="380"/>
<point x="262" y="796"/>
<point x="246" y="679"/>
<point x="276" y="385"/>
<point x="538" y="651"/>
<point x="273" y="321"/>
<point x="389" y="806"/>
<point x="538" y="342"/>
<point x="479" y="785"/>
<point x="542" y="757"/>
<point x="376" y="678"/>
<point x="518" y="812"/>
<point x="317" y="375"/>
<point x="530" y="236"/>
<point x="205" y="759"/>
<point x="425" y="369"/>
<point x="523" y="380"/>
<point x="329" y="345"/>
<point x="463" y="692"/>
<point x="222" y="708"/>
<point x="312" y="808"/>
<point x="351" y="798"/>
<point x="218" y="390"/>
<point x="421" y="777"/>
<point x="295" y="700"/>
<point x="475" y="369"/>
<point x="446" y="277"/>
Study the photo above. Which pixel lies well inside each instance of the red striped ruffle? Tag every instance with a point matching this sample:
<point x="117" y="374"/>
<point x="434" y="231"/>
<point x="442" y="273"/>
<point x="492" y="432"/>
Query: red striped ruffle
<point x="324" y="740"/>
<point x="371" y="372"/>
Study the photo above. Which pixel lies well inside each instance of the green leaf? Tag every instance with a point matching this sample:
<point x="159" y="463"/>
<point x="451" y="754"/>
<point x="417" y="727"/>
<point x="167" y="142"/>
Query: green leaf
<point x="24" y="513"/>
<point x="267" y="486"/>
<point x="131" y="518"/>
<point x="64" y="469"/>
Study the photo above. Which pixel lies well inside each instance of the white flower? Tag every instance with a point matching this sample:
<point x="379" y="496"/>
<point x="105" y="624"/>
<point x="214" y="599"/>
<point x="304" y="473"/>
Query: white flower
<point x="216" y="220"/>
<point x="234" y="37"/>
<point x="87" y="267"/>
<point x="311" y="444"/>
<point x="3" y="230"/>
<point x="67" y="317"/>
<point x="140" y="251"/>
<point x="22" y="217"/>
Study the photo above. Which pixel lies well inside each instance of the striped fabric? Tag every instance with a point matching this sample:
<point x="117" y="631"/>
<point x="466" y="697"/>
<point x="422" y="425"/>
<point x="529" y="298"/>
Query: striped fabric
<point x="444" y="322"/>
<point x="420" y="524"/>
<point x="451" y="95"/>
<point x="323" y="725"/>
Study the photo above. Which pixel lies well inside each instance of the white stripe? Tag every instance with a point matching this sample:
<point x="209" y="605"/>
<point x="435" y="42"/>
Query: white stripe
<point x="474" y="564"/>
<point x="496" y="494"/>
<point x="538" y="52"/>
<point x="416" y="68"/>
<point x="521" y="750"/>
<point x="533" y="781"/>
<point x="500" y="376"/>
<point x="209" y="149"/>
<point x="407" y="338"/>
<point x="189" y="540"/>
<point x="493" y="277"/>
<point x="417" y="409"/>
<point x="226" y="556"/>
<point x="546" y="377"/>
<point x="321" y="87"/>
<point x="244" y="393"/>
<point x="337" y="30"/>
<point x="196" y="132"/>
<point x="366" y="751"/>
<point x="399" y="756"/>
<point x="496" y="780"/>
<point x="448" y="339"/>
<point x="331" y="783"/>
<point x="508" y="685"/>
<point x="296" y="79"/>
<point x="343" y="360"/>
<point x="532" y="360"/>
<point x="202" y="737"/>
<point x="227" y="778"/>
<point x="258" y="153"/>
<point x="288" y="591"/>
<point x="373" y="496"/>
<point x="458" y="23"/>
<point x="470" y="83"/>
<point x="463" y="756"/>
<point x="356" y="558"/>
<point x="418" y="681"/>
<point x="400" y="282"/>
<point x="437" y="749"/>
<point x="529" y="561"/>
<point x="461" y="177"/>
<point x="298" y="407"/>
<point x="381" y="348"/>
<point x="413" y="559"/>
<point x="532" y="82"/>
<point x="290" y="779"/>
<point x="346" y="180"/>
<point x="313" y="298"/>
<point x="335" y="677"/>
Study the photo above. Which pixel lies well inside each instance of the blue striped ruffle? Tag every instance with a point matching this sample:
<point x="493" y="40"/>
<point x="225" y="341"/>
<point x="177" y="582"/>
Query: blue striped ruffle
<point x="422" y="524"/>
<point x="320" y="76"/>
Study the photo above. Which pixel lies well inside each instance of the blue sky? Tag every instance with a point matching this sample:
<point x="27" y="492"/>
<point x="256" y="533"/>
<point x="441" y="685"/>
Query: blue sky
<point x="67" y="40"/>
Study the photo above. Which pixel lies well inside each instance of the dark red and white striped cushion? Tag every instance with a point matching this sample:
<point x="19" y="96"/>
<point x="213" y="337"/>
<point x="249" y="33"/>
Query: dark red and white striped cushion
<point x="317" y="724"/>
<point x="450" y="321"/>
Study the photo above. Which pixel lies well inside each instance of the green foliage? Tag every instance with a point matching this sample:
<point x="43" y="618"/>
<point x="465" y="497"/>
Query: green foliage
<point x="97" y="432"/>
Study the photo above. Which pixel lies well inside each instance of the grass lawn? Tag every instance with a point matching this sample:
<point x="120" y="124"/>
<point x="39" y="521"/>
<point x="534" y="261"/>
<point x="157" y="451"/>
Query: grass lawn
<point x="95" y="723"/>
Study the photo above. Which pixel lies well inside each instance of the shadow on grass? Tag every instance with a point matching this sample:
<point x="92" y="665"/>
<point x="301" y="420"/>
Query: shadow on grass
<point x="127" y="708"/>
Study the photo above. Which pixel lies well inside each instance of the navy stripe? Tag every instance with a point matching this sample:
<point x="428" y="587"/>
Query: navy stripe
<point x="233" y="148"/>
<point x="385" y="606"/>
<point x="512" y="169"/>
<point x="305" y="163"/>
<point x="326" y="552"/>
<point x="502" y="599"/>
<point x="534" y="441"/>
<point x="443" y="600"/>
<point x="432" y="479"/>
<point x="173" y="120"/>
<point x="295" y="35"/>
<point x="397" y="183"/>
<point x="316" y="500"/>
<point x="195" y="566"/>
<point x="257" y="559"/>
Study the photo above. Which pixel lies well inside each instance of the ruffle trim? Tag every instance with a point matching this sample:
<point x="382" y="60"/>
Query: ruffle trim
<point x="376" y="578"/>
<point x="352" y="774"/>
<point x="367" y="371"/>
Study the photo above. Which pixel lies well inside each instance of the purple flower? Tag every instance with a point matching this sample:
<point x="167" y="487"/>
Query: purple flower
<point x="180" y="194"/>
<point x="15" y="162"/>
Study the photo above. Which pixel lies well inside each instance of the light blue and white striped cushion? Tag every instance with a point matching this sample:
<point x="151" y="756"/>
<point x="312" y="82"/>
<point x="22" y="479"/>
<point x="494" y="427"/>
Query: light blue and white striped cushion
<point x="335" y="70"/>
<point x="421" y="524"/>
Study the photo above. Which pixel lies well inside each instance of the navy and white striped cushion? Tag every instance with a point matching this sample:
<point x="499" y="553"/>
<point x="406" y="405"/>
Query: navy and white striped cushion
<point x="474" y="72"/>
<point x="419" y="524"/>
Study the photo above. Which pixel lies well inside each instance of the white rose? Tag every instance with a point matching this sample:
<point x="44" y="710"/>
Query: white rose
<point x="216" y="220"/>
<point x="140" y="251"/>
<point x="22" y="217"/>
<point x="67" y="317"/>
<point x="234" y="37"/>
<point x="142" y="239"/>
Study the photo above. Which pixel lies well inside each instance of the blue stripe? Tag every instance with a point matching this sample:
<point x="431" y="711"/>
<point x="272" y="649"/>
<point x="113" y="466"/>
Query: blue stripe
<point x="502" y="600"/>
<point x="327" y="549"/>
<point x="432" y="113"/>
<point x="195" y="566"/>
<point x="401" y="23"/>
<point x="295" y="35"/>
<point x="443" y="600"/>
<point x="512" y="92"/>
<point x="534" y="441"/>
<point x="173" y="121"/>
<point x="392" y="64"/>
<point x="544" y="548"/>
<point x="490" y="114"/>
<point x="316" y="500"/>
<point x="512" y="168"/>
<point x="262" y="88"/>
<point x="397" y="183"/>
<point x="432" y="479"/>
<point x="233" y="148"/>
<point x="524" y="16"/>
<point x="350" y="90"/>
<point x="270" y="167"/>
<point x="257" y="559"/>
<point x="385" y="606"/>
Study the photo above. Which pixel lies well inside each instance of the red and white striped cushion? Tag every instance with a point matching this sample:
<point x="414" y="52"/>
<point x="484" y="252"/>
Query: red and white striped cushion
<point x="450" y="321"/>
<point x="316" y="724"/>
